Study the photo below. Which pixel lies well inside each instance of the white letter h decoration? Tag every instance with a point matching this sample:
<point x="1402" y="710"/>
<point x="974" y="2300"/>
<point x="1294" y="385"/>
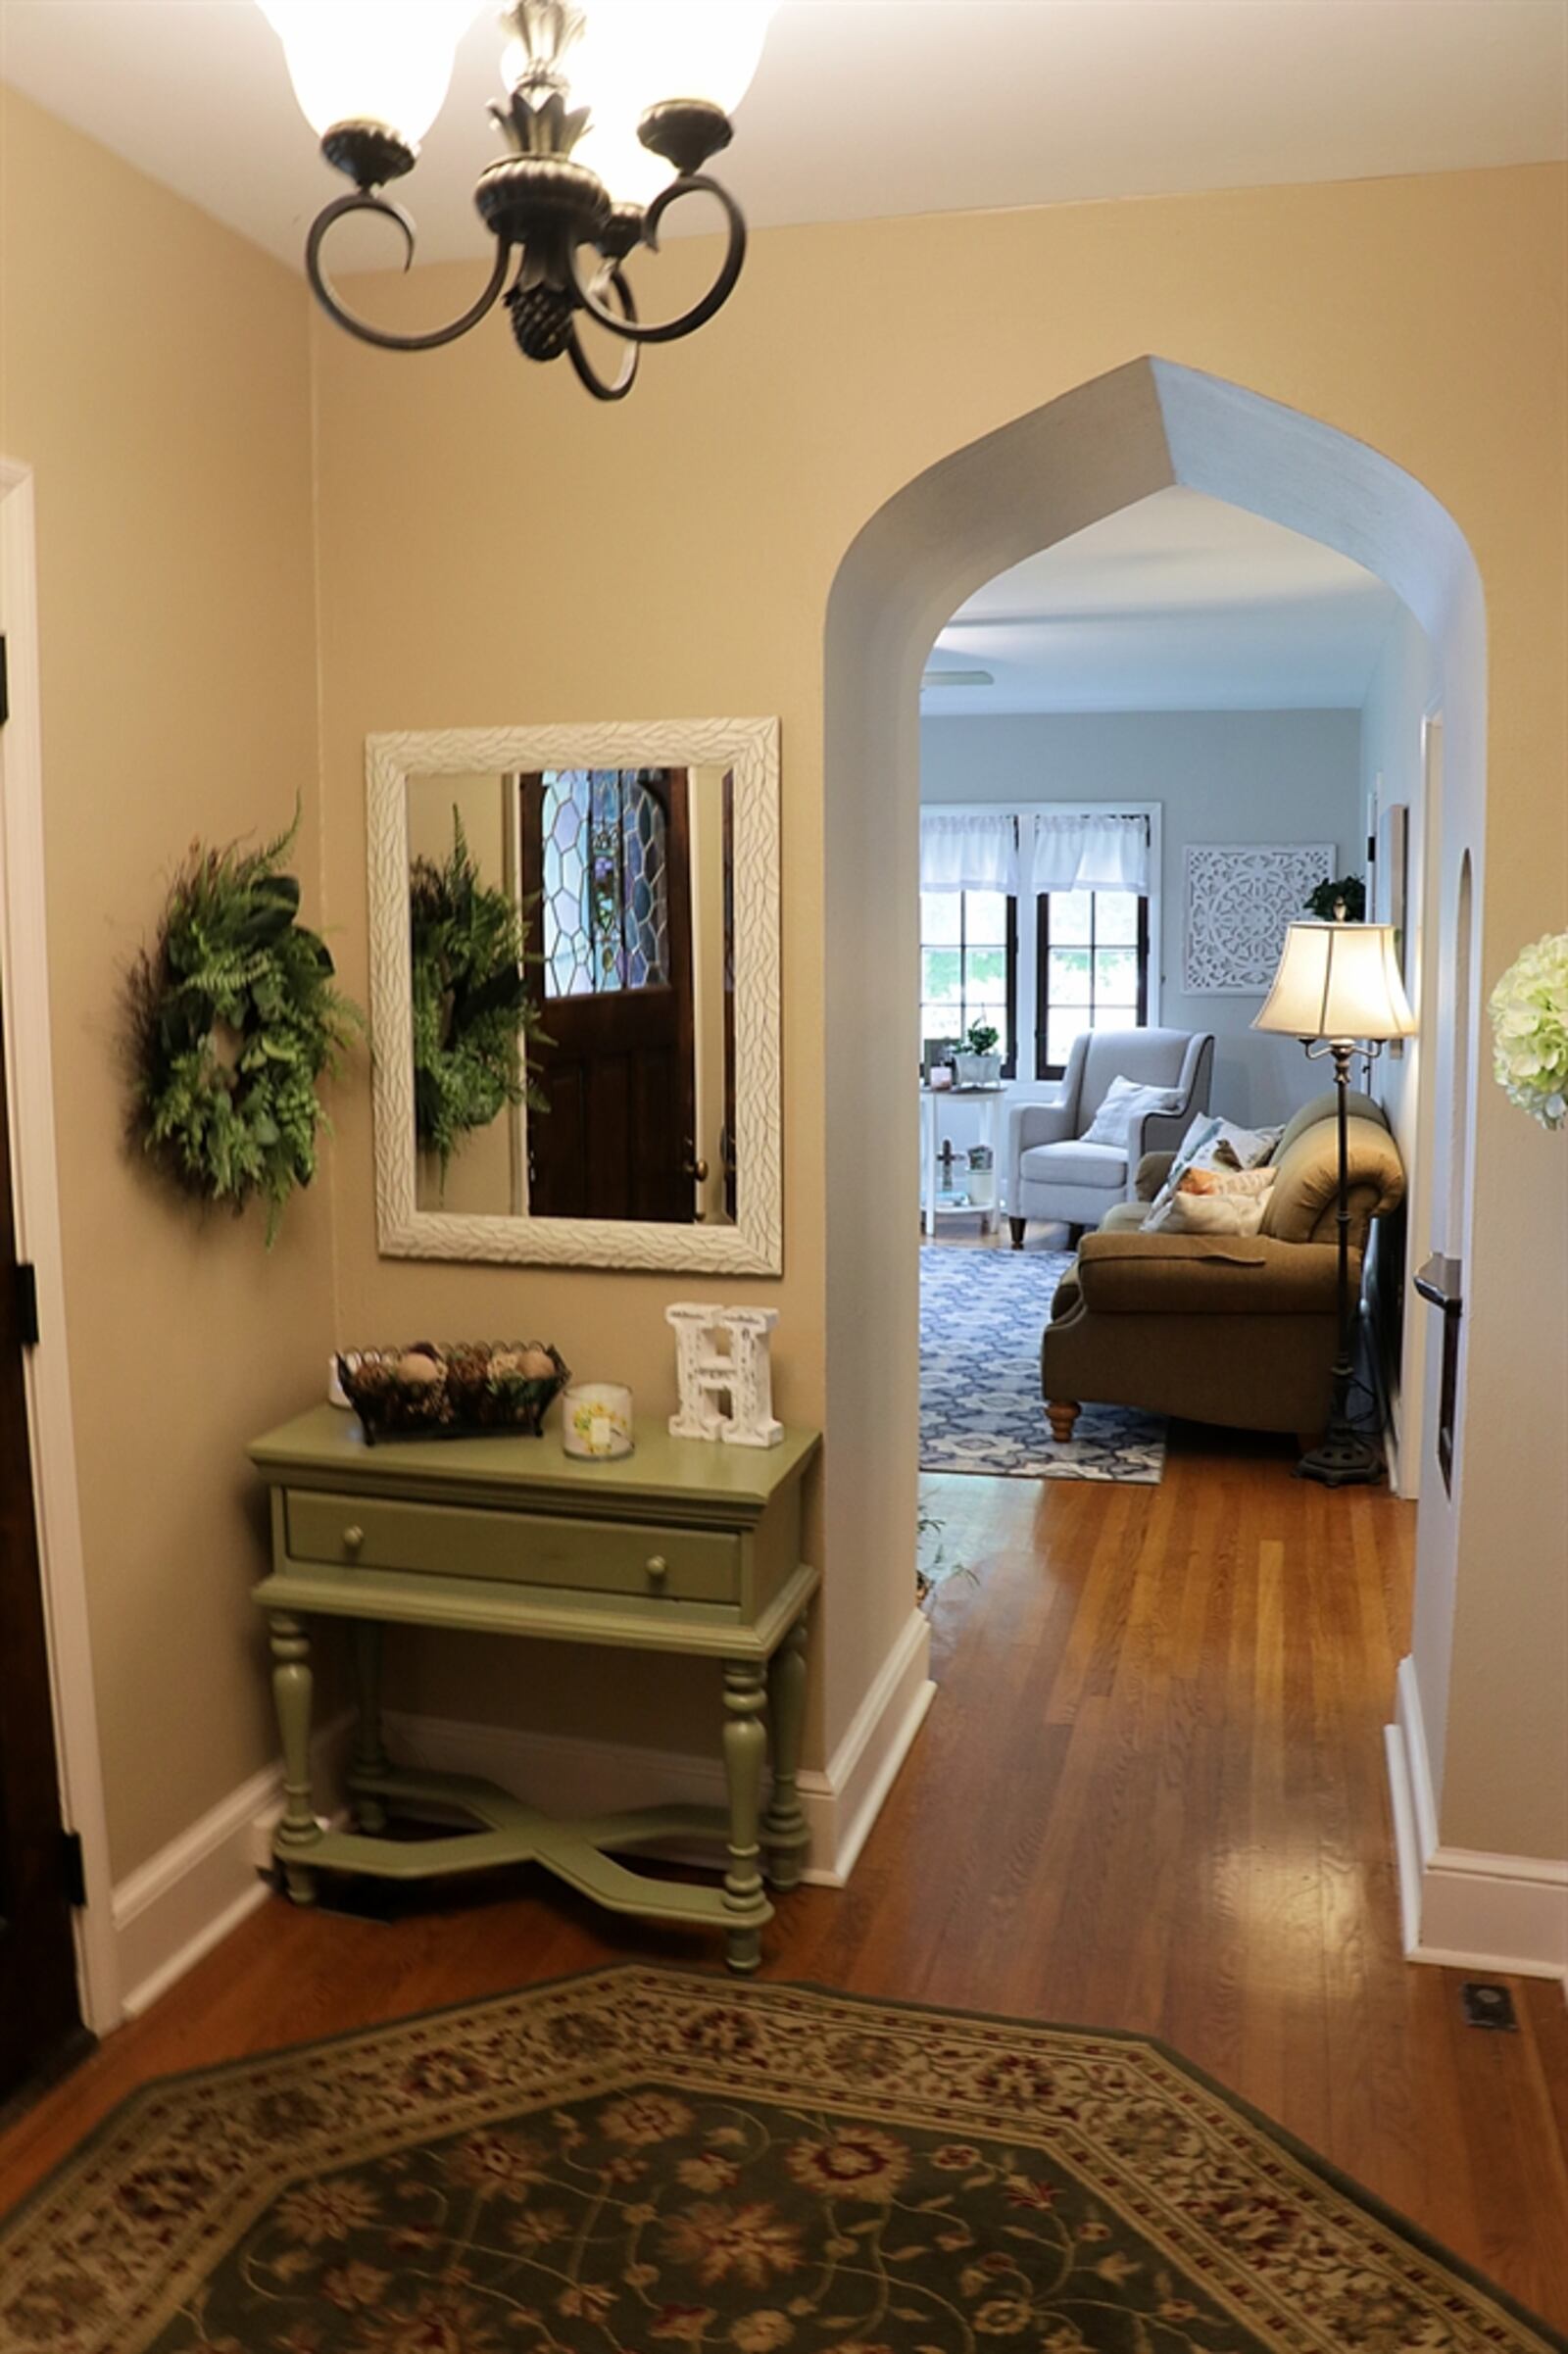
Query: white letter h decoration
<point x="722" y="1358"/>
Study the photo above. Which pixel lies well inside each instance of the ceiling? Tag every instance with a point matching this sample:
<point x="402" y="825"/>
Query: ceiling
<point x="1180" y="603"/>
<point x="868" y="108"/>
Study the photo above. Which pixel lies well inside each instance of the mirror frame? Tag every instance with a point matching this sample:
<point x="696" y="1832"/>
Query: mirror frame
<point x="755" y="1244"/>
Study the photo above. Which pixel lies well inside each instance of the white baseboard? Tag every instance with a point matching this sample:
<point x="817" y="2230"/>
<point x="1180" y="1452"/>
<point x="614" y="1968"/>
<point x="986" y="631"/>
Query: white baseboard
<point x="1462" y="1908"/>
<point x="177" y="1905"/>
<point x="564" y="1774"/>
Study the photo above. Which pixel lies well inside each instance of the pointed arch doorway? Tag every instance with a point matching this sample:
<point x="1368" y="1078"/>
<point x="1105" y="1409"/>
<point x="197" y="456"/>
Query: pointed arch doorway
<point x="1147" y="427"/>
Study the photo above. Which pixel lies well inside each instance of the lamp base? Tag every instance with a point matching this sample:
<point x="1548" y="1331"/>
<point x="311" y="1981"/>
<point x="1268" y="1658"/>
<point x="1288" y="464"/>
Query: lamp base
<point x="1343" y="1460"/>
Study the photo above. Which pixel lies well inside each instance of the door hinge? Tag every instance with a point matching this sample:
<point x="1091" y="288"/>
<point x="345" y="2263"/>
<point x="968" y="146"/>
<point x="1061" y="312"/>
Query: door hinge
<point x="27" y="1304"/>
<point x="73" y="1868"/>
<point x="5" y="684"/>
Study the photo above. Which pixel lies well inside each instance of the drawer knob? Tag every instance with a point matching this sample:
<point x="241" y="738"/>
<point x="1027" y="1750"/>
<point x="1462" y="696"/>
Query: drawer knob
<point x="353" y="1539"/>
<point x="658" y="1568"/>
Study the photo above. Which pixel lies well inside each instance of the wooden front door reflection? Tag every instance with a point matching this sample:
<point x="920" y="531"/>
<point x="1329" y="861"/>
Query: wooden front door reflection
<point x="39" y="2015"/>
<point x="606" y="881"/>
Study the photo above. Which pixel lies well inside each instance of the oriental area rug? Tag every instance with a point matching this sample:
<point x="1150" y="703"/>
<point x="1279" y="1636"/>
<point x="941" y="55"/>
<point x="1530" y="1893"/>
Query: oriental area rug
<point x="645" y="2159"/>
<point x="982" y="1314"/>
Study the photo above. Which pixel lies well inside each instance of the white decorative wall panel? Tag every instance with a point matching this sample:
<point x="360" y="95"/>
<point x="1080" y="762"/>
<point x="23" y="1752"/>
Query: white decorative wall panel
<point x="1239" y="897"/>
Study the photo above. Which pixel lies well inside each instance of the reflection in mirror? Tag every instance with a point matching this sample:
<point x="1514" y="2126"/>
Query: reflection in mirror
<point x="597" y="1080"/>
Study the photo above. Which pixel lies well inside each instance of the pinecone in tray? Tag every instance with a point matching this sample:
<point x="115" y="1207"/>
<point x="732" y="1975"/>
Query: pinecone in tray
<point x="453" y="1391"/>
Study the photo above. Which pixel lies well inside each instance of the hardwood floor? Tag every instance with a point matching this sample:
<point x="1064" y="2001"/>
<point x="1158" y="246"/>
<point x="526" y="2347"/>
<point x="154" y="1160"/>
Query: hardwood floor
<point x="1149" y="1794"/>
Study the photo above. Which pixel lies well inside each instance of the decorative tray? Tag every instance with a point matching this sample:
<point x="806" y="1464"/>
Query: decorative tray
<point x="460" y="1390"/>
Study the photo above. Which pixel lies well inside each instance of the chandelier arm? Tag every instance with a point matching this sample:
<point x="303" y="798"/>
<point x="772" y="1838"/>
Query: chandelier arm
<point x="668" y="330"/>
<point x="332" y="302"/>
<point x="610" y="276"/>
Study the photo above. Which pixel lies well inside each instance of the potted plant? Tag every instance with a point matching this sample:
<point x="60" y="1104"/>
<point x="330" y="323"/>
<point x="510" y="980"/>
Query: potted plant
<point x="978" y="1063"/>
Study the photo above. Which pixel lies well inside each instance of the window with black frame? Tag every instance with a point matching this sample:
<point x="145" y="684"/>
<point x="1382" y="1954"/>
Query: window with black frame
<point x="969" y="968"/>
<point x="1092" y="969"/>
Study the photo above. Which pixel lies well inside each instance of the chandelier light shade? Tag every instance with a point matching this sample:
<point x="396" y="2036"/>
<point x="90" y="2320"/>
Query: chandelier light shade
<point x="1339" y="981"/>
<point x="1337" y="990"/>
<point x="386" y="62"/>
<point x="613" y="110"/>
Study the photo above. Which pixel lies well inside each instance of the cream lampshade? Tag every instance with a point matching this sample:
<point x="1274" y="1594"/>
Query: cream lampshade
<point x="1338" y="981"/>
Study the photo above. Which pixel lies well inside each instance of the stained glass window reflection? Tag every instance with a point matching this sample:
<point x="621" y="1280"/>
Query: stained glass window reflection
<point x="604" y="900"/>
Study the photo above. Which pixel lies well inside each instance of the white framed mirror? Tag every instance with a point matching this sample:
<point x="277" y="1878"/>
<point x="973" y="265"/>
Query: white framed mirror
<point x="633" y="1119"/>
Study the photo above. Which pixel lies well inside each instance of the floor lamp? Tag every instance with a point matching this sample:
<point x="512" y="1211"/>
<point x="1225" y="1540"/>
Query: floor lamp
<point x="1338" y="991"/>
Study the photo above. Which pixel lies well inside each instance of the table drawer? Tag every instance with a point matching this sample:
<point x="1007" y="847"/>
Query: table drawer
<point x="459" y="1541"/>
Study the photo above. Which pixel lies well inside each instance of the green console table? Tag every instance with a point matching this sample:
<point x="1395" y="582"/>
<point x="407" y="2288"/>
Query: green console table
<point x="683" y="1547"/>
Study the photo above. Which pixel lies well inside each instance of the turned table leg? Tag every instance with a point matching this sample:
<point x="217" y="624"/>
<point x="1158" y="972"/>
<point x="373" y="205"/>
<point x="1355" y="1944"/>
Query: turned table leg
<point x="745" y="1746"/>
<point x="299" y="1830"/>
<point x="784" y="1833"/>
<point x="371" y="1759"/>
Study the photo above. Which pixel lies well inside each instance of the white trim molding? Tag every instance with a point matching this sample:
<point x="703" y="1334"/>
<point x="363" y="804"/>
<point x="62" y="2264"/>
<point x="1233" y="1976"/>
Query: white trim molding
<point x="566" y="1775"/>
<point x="181" y="1903"/>
<point x="1462" y="1908"/>
<point x="25" y="989"/>
<point x="185" y="1900"/>
<point x="749" y="747"/>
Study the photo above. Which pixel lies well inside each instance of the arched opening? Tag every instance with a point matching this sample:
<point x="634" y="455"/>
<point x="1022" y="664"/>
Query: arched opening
<point x="1147" y="427"/>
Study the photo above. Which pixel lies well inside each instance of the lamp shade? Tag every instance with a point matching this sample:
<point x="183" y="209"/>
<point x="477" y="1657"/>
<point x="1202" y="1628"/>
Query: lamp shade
<point x="370" y="60"/>
<point x="1338" y="981"/>
<point x="632" y="53"/>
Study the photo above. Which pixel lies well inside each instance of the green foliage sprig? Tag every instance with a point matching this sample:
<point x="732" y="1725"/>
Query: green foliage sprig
<point x="1324" y="901"/>
<point x="234" y="1018"/>
<point x="473" y="1012"/>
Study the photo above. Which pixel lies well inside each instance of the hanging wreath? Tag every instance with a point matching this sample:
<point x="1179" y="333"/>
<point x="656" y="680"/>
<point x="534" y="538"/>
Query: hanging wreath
<point x="473" y="1012"/>
<point x="236" y="1019"/>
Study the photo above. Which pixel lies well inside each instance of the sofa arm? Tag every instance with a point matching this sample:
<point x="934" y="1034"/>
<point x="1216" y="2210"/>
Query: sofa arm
<point x="1208" y="1275"/>
<point x="1150" y="1174"/>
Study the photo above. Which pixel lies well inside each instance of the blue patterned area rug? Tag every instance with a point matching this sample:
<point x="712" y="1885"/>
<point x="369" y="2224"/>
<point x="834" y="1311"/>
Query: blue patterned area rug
<point x="982" y="1313"/>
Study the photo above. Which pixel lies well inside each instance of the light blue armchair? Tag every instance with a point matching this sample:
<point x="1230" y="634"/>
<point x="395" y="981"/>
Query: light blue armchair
<point x="1052" y="1173"/>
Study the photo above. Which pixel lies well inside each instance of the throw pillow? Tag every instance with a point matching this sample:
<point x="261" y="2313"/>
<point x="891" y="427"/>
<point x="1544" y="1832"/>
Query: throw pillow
<point x="1242" y="1148"/>
<point x="1198" y="1138"/>
<point x="1126" y="1102"/>
<point x="1227" y="1181"/>
<point x="1215" y="1213"/>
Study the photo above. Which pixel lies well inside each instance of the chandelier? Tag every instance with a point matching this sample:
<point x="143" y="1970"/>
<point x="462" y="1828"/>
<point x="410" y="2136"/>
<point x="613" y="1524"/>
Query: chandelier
<point x="594" y="163"/>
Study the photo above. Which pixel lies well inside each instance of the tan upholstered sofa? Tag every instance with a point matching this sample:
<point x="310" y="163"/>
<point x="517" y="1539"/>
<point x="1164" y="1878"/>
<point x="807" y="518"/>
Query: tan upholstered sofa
<point x="1218" y="1327"/>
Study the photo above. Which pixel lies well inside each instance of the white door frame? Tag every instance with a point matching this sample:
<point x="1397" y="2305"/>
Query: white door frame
<point x="24" y="972"/>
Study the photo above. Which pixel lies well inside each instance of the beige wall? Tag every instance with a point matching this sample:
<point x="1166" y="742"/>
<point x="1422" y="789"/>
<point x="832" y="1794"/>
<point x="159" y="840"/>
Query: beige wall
<point x="494" y="548"/>
<point x="852" y="358"/>
<point x="154" y="372"/>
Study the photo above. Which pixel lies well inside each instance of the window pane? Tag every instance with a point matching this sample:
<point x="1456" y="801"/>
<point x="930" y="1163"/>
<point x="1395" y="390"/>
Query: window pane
<point x="1116" y="1017"/>
<point x="1116" y="976"/>
<point x="985" y="918"/>
<point x="1116" y="918"/>
<point x="1060" y="1031"/>
<point x="937" y="1021"/>
<point x="1067" y="977"/>
<point x="943" y="967"/>
<point x="1071" y="914"/>
<point x="939" y="917"/>
<point x="987" y="974"/>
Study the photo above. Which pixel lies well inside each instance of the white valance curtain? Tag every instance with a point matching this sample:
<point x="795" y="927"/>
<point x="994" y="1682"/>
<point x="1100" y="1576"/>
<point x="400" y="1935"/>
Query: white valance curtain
<point x="968" y="853"/>
<point x="1091" y="852"/>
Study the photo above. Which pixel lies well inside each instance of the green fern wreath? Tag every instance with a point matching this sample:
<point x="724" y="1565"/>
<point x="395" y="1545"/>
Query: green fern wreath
<point x="235" y="1018"/>
<point x="473" y="1012"/>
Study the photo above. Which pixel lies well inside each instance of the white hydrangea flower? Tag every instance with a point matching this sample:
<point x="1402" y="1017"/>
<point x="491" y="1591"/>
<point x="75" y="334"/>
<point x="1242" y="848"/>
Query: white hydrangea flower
<point x="1530" y="1030"/>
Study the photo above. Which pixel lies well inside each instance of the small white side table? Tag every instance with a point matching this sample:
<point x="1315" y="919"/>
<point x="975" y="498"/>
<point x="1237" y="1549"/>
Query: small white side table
<point x="990" y="1101"/>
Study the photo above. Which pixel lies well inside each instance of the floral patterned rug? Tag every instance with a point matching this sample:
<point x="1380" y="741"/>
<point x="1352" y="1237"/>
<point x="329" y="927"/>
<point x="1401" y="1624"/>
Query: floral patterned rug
<point x="982" y="1314"/>
<point x="645" y="2160"/>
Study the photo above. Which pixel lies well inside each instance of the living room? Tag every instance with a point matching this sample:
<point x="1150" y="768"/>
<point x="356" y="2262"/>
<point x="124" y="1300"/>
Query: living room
<point x="1217" y="689"/>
